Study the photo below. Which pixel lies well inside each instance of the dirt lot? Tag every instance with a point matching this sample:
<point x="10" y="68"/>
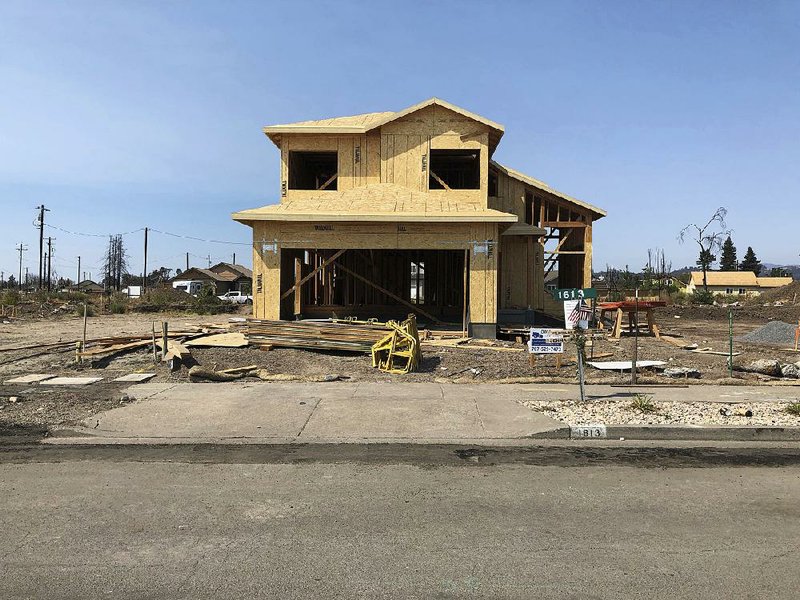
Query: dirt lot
<point x="38" y="407"/>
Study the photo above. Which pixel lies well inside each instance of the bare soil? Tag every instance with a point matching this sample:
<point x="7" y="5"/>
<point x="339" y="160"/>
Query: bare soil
<point x="39" y="407"/>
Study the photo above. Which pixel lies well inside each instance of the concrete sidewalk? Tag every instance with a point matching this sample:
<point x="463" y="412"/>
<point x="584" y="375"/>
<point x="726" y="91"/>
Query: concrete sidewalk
<point x="331" y="412"/>
<point x="367" y="412"/>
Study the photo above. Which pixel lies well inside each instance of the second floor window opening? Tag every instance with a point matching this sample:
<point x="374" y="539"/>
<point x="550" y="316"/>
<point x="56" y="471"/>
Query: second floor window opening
<point x="313" y="170"/>
<point x="455" y="170"/>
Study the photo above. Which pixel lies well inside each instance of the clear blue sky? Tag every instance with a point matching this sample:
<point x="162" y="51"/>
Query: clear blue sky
<point x="120" y="115"/>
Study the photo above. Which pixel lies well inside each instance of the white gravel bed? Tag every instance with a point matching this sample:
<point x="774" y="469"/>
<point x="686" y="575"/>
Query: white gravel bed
<point x="619" y="412"/>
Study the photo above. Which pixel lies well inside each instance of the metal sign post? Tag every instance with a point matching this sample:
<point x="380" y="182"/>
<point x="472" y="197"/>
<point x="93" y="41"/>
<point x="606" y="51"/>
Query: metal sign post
<point x="730" y="342"/>
<point x="580" y="346"/>
<point x="573" y="321"/>
<point x="635" y="340"/>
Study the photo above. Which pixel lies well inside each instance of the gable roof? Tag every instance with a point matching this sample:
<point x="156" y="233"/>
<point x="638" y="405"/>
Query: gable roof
<point x="725" y="278"/>
<point x="597" y="213"/>
<point x="240" y="269"/>
<point x="774" y="282"/>
<point x="198" y="273"/>
<point x="368" y="121"/>
<point x="383" y="202"/>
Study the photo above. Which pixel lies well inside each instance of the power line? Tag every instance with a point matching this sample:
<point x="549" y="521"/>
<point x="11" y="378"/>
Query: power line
<point x="100" y="235"/>
<point x="169" y="233"/>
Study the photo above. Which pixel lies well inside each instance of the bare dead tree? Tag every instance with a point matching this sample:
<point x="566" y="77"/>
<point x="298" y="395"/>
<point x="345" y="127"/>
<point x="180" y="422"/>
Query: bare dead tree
<point x="115" y="263"/>
<point x="708" y="237"/>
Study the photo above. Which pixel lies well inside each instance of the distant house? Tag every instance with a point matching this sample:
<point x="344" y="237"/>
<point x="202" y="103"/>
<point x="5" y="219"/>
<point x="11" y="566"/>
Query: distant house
<point x="223" y="277"/>
<point x="735" y="283"/>
<point x="87" y="286"/>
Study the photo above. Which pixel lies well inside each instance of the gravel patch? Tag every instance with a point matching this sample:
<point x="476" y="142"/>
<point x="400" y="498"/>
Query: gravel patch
<point x="619" y="412"/>
<point x="774" y="332"/>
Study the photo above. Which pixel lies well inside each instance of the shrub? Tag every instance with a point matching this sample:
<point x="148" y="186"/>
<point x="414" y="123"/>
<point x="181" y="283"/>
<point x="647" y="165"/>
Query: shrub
<point x="207" y="301"/>
<point x="118" y="303"/>
<point x="701" y="296"/>
<point x="680" y="298"/>
<point x="10" y="298"/>
<point x="643" y="403"/>
<point x="793" y="409"/>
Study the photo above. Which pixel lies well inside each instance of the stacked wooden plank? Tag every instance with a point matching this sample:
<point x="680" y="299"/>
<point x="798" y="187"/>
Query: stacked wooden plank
<point x="316" y="335"/>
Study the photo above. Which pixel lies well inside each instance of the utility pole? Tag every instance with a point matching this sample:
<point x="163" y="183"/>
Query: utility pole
<point x="21" y="248"/>
<point x="187" y="261"/>
<point x="42" y="210"/>
<point x="78" y="275"/>
<point x="49" y="260"/>
<point x="209" y="261"/>
<point x="144" y="276"/>
<point x="234" y="258"/>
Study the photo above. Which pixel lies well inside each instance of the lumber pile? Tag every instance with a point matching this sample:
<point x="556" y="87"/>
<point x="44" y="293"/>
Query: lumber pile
<point x="354" y="336"/>
<point x="395" y="347"/>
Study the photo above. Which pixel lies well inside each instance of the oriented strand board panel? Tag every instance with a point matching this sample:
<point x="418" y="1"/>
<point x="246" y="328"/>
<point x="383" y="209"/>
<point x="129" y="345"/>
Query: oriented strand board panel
<point x="266" y="271"/>
<point x="219" y="340"/>
<point x="409" y="236"/>
<point x="483" y="275"/>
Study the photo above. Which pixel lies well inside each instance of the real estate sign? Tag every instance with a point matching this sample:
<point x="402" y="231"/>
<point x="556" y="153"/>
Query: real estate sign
<point x="546" y="341"/>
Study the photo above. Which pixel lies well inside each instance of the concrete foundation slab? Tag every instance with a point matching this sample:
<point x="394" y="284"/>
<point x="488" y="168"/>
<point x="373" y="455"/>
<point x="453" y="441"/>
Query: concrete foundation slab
<point x="32" y="378"/>
<point x="71" y="381"/>
<point x="136" y="377"/>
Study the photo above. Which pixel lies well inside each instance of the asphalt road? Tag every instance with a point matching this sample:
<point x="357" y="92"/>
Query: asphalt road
<point x="94" y="526"/>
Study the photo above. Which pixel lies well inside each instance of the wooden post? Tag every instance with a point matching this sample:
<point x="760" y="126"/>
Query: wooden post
<point x="465" y="325"/>
<point x="83" y="341"/>
<point x="165" y="334"/>
<point x="155" y="352"/>
<point x="298" y="276"/>
<point x="144" y="272"/>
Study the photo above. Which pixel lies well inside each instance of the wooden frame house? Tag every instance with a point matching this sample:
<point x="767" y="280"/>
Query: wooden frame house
<point x="383" y="214"/>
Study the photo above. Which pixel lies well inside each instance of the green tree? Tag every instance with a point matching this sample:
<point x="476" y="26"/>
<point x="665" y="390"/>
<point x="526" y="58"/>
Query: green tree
<point x="727" y="260"/>
<point x="750" y="262"/>
<point x="705" y="260"/>
<point x="779" y="272"/>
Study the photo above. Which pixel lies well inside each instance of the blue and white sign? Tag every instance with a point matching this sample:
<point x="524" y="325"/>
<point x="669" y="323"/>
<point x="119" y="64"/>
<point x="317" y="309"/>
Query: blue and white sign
<point x="546" y="341"/>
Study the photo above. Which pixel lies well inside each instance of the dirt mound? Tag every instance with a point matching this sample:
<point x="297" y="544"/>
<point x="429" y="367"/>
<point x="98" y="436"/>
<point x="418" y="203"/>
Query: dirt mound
<point x="788" y="293"/>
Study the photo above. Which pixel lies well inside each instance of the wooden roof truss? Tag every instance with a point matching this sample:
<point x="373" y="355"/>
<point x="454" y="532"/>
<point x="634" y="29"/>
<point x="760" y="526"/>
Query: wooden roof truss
<point x="565" y="227"/>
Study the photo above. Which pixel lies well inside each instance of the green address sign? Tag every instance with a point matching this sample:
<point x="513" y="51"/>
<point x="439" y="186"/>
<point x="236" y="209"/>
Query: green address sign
<point x="574" y="294"/>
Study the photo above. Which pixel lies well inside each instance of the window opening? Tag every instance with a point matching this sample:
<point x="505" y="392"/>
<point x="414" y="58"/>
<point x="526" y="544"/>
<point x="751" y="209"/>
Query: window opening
<point x="455" y="170"/>
<point x="313" y="170"/>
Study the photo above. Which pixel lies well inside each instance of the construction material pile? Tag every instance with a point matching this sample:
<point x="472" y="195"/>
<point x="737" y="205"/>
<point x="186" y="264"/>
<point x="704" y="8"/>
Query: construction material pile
<point x="775" y="333"/>
<point x="394" y="346"/>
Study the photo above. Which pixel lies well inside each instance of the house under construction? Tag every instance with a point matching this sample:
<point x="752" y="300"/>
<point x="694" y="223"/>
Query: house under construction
<point x="382" y="214"/>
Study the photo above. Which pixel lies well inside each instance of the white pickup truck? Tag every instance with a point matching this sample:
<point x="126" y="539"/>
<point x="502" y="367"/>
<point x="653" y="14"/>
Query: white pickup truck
<point x="236" y="297"/>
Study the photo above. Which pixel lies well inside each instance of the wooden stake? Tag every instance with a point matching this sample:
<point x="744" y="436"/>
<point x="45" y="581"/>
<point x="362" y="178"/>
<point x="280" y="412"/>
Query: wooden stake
<point x="155" y="353"/>
<point x="83" y="340"/>
<point x="298" y="276"/>
<point x="466" y="284"/>
<point x="165" y="333"/>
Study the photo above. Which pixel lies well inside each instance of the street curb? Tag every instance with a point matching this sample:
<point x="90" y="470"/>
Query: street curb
<point x="729" y="433"/>
<point x="655" y="433"/>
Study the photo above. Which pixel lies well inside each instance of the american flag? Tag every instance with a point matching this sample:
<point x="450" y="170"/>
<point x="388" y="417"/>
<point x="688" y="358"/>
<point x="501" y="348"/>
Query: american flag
<point x="581" y="312"/>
